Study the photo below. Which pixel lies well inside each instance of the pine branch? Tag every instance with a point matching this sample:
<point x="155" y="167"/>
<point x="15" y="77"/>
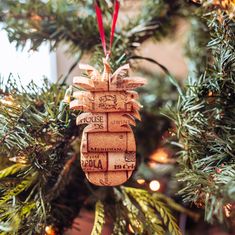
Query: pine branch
<point x="167" y="217"/>
<point x="42" y="138"/>
<point x="22" y="186"/>
<point x="74" y="23"/>
<point x="62" y="178"/>
<point x="11" y="170"/>
<point x="205" y="123"/>
<point x="175" y="206"/>
<point x="99" y="219"/>
<point x="131" y="211"/>
<point x="59" y="189"/>
<point x="120" y="223"/>
<point x="150" y="205"/>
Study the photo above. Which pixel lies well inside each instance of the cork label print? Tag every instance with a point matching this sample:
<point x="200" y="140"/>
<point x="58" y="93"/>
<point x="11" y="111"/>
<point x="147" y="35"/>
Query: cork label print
<point x="110" y="107"/>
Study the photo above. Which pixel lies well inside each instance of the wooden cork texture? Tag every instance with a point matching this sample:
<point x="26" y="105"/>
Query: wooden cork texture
<point x="110" y="106"/>
<point x="108" y="178"/>
<point x="108" y="161"/>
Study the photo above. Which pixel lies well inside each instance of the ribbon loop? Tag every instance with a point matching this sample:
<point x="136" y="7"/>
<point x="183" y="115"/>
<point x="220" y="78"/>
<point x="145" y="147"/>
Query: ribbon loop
<point x="101" y="26"/>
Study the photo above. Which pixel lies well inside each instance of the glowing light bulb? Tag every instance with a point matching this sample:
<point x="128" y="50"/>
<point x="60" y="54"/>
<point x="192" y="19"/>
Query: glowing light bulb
<point x="161" y="155"/>
<point x="130" y="228"/>
<point x="49" y="230"/>
<point x="140" y="181"/>
<point x="154" y="185"/>
<point x="228" y="209"/>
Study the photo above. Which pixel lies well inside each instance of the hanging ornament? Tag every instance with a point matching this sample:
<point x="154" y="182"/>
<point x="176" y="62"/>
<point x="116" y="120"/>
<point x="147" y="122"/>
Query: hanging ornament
<point x="108" y="144"/>
<point x="108" y="149"/>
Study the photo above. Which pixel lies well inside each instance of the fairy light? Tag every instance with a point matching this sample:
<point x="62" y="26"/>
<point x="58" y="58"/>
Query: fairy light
<point x="49" y="230"/>
<point x="7" y="101"/>
<point x="67" y="99"/>
<point x="68" y="94"/>
<point x="161" y="155"/>
<point x="152" y="164"/>
<point x="227" y="209"/>
<point x="19" y="159"/>
<point x="154" y="185"/>
<point x="140" y="181"/>
<point x="130" y="228"/>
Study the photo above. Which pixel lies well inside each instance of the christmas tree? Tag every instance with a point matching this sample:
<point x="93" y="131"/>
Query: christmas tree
<point x="186" y="133"/>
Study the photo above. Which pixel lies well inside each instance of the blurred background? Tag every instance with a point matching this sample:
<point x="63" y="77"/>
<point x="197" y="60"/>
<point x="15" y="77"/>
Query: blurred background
<point x="34" y="65"/>
<point x="157" y="165"/>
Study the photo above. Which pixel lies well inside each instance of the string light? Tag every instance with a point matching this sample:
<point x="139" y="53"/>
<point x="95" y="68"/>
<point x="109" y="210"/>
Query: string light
<point x="19" y="159"/>
<point x="49" y="230"/>
<point x="161" y="155"/>
<point x="67" y="99"/>
<point x="7" y="101"/>
<point x="227" y="209"/>
<point x="68" y="94"/>
<point x="130" y="228"/>
<point x="140" y="181"/>
<point x="210" y="93"/>
<point x="154" y="185"/>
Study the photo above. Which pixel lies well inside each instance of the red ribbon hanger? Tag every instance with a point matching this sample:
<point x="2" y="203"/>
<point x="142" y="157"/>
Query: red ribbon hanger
<point x="101" y="26"/>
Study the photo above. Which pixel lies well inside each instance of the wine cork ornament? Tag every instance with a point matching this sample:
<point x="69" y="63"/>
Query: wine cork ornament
<point x="108" y="148"/>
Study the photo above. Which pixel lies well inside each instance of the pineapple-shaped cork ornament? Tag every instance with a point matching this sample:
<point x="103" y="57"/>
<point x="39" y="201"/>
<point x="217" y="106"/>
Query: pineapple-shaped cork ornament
<point x="110" y="106"/>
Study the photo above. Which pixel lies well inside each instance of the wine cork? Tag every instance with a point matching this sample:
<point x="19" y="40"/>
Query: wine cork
<point x="107" y="70"/>
<point x="83" y="82"/>
<point x="108" y="142"/>
<point x="101" y="85"/>
<point x="120" y="73"/>
<point x="136" y="114"/>
<point x="121" y="161"/>
<point x="90" y="84"/>
<point x="97" y="122"/>
<point x="83" y="146"/>
<point x="133" y="94"/>
<point x="109" y="161"/>
<point x="112" y="101"/>
<point x="135" y="104"/>
<point x="100" y="102"/>
<point x="134" y="82"/>
<point x="83" y="95"/>
<point x="131" y="146"/>
<point x="110" y="178"/>
<point x="78" y="105"/>
<point x="94" y="161"/>
<point x="120" y="122"/>
<point x="106" y="122"/>
<point x="128" y="83"/>
<point x="91" y="71"/>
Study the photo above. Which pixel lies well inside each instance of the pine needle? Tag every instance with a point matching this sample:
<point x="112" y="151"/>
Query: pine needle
<point x="99" y="219"/>
<point x="11" y="170"/>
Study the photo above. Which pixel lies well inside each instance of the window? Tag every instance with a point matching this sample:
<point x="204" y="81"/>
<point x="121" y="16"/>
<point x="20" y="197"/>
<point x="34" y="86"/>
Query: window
<point x="28" y="65"/>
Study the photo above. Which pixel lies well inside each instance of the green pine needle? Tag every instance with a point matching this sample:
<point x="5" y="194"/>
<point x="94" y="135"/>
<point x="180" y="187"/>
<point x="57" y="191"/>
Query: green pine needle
<point x="11" y="170"/>
<point x="99" y="219"/>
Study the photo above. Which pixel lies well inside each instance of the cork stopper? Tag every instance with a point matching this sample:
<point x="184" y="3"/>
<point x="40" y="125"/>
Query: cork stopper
<point x="107" y="70"/>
